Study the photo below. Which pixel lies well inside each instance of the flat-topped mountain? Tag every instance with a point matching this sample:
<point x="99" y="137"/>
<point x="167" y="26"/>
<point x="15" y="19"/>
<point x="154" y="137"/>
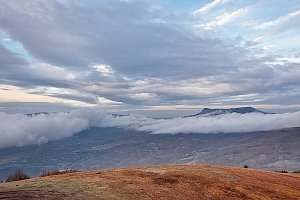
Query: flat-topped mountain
<point x="240" y="110"/>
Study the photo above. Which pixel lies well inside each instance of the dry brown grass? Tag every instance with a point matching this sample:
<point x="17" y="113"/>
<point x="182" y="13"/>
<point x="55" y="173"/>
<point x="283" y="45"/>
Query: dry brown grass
<point x="166" y="182"/>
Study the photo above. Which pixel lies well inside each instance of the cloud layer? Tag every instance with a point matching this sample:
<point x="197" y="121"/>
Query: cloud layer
<point x="20" y="130"/>
<point x="138" y="53"/>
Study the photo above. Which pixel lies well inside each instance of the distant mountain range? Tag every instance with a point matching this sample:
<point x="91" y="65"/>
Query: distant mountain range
<point x="38" y="113"/>
<point x="212" y="112"/>
<point x="206" y="112"/>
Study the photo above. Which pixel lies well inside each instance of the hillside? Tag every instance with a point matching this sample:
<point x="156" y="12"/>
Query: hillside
<point x="159" y="182"/>
<point x="105" y="148"/>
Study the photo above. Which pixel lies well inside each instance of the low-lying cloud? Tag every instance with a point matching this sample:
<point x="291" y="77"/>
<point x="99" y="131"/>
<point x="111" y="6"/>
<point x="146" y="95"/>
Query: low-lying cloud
<point x="20" y="130"/>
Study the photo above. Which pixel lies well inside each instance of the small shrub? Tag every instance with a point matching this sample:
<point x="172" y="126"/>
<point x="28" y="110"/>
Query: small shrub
<point x="282" y="171"/>
<point x="246" y="166"/>
<point x="17" y="176"/>
<point x="298" y="171"/>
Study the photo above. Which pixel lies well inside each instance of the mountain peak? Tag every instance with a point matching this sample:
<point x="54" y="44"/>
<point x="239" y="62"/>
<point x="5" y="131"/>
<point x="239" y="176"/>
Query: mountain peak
<point x="240" y="110"/>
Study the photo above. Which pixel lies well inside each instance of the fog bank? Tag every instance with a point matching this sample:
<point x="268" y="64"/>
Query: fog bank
<point x="20" y="130"/>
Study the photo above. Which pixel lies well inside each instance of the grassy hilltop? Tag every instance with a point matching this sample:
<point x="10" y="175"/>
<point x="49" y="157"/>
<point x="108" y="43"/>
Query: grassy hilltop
<point x="159" y="182"/>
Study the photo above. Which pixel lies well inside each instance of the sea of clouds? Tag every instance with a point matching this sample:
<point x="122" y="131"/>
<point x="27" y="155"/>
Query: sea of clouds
<point x="20" y="129"/>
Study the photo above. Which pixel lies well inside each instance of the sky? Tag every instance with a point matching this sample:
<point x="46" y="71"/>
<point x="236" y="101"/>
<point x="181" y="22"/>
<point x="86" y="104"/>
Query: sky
<point x="158" y="58"/>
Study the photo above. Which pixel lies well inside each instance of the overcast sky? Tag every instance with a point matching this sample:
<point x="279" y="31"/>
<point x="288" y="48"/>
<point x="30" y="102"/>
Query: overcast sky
<point x="159" y="55"/>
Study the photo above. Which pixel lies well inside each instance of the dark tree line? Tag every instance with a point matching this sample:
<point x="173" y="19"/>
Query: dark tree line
<point x="17" y="176"/>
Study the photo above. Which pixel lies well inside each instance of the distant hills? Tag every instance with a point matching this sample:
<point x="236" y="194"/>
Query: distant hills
<point x="241" y="110"/>
<point x="38" y="113"/>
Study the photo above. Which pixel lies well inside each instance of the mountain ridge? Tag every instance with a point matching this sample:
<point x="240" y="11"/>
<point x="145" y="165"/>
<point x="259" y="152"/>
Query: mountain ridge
<point x="220" y="111"/>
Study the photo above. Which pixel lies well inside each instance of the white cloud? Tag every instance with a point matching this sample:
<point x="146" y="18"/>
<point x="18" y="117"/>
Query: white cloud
<point x="209" y="6"/>
<point x="106" y="70"/>
<point x="227" y="123"/>
<point x="223" y="19"/>
<point x="279" y="20"/>
<point x="20" y="130"/>
<point x="105" y="101"/>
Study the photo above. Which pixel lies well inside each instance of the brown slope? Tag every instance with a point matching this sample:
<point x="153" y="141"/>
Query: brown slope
<point x="159" y="182"/>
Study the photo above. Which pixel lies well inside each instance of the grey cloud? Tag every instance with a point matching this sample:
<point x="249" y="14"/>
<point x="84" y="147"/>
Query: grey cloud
<point x="121" y="34"/>
<point x="18" y="71"/>
<point x="9" y="61"/>
<point x="141" y="43"/>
